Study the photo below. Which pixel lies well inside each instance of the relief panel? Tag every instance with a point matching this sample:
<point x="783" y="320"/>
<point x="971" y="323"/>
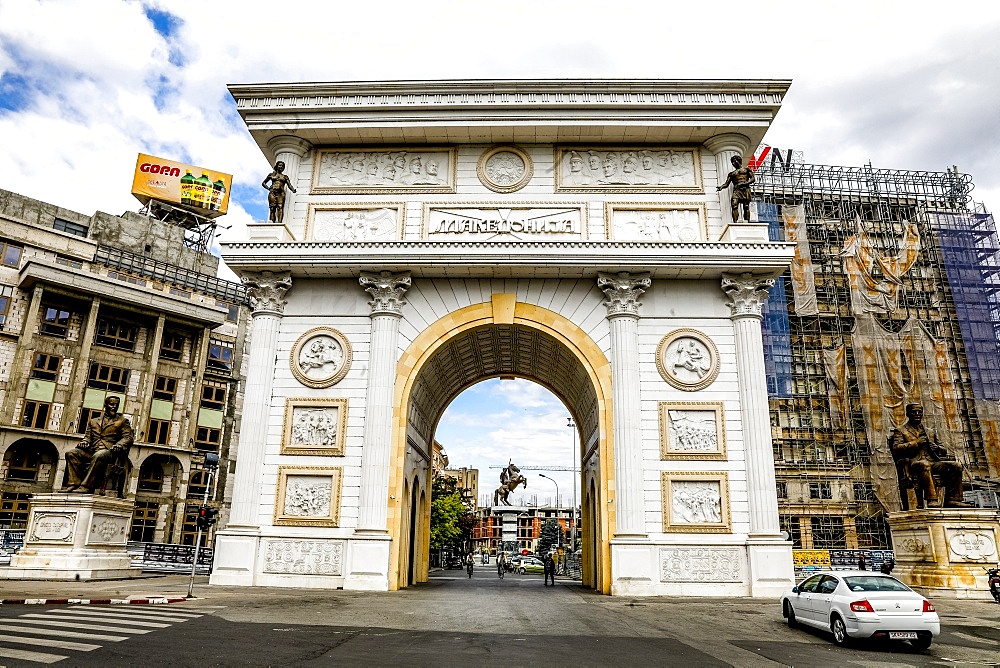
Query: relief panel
<point x="628" y="169"/>
<point x="384" y="170"/>
<point x="304" y="557"/>
<point x="701" y="564"/>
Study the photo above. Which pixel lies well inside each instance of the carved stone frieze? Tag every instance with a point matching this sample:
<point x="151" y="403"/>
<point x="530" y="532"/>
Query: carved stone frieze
<point x="308" y="496"/>
<point x="304" y="557"/>
<point x="108" y="529"/>
<point x="695" y="502"/>
<point x="355" y="223"/>
<point x="663" y="221"/>
<point x="504" y="169"/>
<point x="266" y="291"/>
<point x="747" y="292"/>
<point x="701" y="564"/>
<point x="314" y="427"/>
<point x="321" y="357"/>
<point x="53" y="527"/>
<point x="691" y="430"/>
<point x="628" y="169"/>
<point x="386" y="170"/>
<point x="687" y="359"/>
<point x="623" y="291"/>
<point x="386" y="289"/>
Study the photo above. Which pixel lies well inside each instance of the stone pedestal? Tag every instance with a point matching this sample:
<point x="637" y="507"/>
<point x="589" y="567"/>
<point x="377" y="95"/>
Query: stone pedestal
<point x="941" y="552"/>
<point x="743" y="233"/>
<point x="74" y="537"/>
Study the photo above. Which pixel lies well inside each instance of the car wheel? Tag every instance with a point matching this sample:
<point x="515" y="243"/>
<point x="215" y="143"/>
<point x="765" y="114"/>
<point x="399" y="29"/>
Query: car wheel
<point x="521" y="570"/>
<point x="922" y="642"/>
<point x="839" y="630"/>
<point x="790" y="616"/>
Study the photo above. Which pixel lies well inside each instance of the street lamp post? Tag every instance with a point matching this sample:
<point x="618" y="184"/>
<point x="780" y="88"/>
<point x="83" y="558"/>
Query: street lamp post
<point x="572" y="543"/>
<point x="542" y="475"/>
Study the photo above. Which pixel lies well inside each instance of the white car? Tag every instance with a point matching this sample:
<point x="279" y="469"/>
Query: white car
<point x="862" y="604"/>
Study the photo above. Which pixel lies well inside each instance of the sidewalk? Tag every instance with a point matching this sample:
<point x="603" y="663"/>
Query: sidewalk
<point x="149" y="588"/>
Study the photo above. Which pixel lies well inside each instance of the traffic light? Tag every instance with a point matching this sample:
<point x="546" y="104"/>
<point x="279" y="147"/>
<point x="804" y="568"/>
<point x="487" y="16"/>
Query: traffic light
<point x="207" y="516"/>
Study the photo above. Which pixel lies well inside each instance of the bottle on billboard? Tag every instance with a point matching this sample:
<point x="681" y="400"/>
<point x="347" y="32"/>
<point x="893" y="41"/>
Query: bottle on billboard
<point x="218" y="193"/>
<point x="187" y="188"/>
<point x="202" y="191"/>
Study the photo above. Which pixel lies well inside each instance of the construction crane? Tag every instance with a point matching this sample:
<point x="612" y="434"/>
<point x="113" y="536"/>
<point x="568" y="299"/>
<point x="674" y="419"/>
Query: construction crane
<point x="537" y="468"/>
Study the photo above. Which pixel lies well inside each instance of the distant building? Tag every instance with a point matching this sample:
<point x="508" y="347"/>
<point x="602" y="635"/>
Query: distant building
<point x="468" y="483"/>
<point x="100" y="305"/>
<point x="513" y="529"/>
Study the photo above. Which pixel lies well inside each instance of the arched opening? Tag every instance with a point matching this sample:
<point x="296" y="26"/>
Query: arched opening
<point x="29" y="467"/>
<point x="498" y="339"/>
<point x="154" y="515"/>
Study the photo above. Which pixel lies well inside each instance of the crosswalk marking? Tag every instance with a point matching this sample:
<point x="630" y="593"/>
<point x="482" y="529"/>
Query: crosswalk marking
<point x="124" y="615"/>
<point x="25" y="655"/>
<point x="64" y="628"/>
<point x="60" y="633"/>
<point x="85" y="616"/>
<point x="48" y="642"/>
<point x="75" y="625"/>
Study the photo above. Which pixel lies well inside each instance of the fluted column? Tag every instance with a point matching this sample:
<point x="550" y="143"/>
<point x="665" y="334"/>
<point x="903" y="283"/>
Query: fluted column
<point x="748" y="294"/>
<point x="289" y="150"/>
<point x="725" y="147"/>
<point x="623" y="291"/>
<point x="386" y="289"/>
<point x="266" y="291"/>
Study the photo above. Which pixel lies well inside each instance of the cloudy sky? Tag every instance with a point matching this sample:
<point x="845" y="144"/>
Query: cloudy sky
<point x="85" y="85"/>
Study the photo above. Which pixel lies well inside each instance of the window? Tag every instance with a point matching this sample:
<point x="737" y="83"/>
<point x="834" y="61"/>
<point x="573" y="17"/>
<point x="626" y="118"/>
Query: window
<point x="196" y="486"/>
<point x="46" y="367"/>
<point x="6" y="297"/>
<point x="165" y="388"/>
<point x="86" y="415"/>
<point x="220" y="355"/>
<point x="820" y="490"/>
<point x="781" y="487"/>
<point x="864" y="491"/>
<point x="126" y="278"/>
<point x="70" y="227"/>
<point x="144" y="521"/>
<point x="10" y="255"/>
<point x="70" y="262"/>
<point x="157" y="431"/>
<point x="35" y="414"/>
<point x="172" y="346"/>
<point x="208" y="438"/>
<point x="23" y="463"/>
<point x="828" y="533"/>
<point x="55" y="321"/>
<point x="213" y="395"/>
<point x="14" y="510"/>
<point x="790" y="524"/>
<point x="233" y="314"/>
<point x="115" y="334"/>
<point x="151" y="476"/>
<point x="189" y="530"/>
<point x="180" y="293"/>
<point x="104" y="377"/>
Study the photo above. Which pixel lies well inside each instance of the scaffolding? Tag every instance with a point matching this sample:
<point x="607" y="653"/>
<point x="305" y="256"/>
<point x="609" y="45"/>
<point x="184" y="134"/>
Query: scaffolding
<point x="892" y="298"/>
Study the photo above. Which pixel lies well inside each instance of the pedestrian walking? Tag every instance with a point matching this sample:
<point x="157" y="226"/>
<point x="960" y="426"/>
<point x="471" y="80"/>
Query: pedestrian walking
<point x="501" y="564"/>
<point x="550" y="569"/>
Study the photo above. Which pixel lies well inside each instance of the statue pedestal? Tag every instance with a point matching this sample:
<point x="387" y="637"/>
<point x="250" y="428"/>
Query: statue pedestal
<point x="74" y="537"/>
<point x="942" y="551"/>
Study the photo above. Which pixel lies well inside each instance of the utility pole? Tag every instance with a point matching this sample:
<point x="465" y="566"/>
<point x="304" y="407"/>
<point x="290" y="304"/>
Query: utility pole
<point x="572" y="543"/>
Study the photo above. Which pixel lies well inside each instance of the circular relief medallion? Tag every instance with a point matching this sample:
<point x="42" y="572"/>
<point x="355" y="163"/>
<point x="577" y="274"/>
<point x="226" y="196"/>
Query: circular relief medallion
<point x="687" y="359"/>
<point x="504" y="169"/>
<point x="321" y="357"/>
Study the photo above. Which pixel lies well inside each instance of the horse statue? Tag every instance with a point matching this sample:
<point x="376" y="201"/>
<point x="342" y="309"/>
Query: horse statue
<point x="510" y="478"/>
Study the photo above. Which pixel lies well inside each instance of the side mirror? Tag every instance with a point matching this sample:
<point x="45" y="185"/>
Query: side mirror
<point x="795" y="589"/>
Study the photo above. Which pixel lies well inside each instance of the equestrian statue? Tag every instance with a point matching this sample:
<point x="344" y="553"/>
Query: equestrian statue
<point x="510" y="478"/>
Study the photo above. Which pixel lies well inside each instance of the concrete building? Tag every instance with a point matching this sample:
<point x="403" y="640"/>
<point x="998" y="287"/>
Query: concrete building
<point x="100" y="305"/>
<point x="468" y="483"/>
<point x="515" y="529"/>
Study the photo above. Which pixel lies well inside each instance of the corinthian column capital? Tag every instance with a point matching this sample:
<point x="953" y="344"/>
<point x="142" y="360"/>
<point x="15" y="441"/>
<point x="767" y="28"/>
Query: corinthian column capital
<point x="748" y="293"/>
<point x="623" y="291"/>
<point x="266" y="291"/>
<point x="386" y="289"/>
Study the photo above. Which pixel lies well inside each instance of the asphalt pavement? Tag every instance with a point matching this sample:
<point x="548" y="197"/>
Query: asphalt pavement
<point x="452" y="620"/>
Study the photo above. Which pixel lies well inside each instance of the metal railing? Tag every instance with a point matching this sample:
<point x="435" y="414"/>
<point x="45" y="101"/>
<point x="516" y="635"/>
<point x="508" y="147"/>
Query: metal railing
<point x="117" y="258"/>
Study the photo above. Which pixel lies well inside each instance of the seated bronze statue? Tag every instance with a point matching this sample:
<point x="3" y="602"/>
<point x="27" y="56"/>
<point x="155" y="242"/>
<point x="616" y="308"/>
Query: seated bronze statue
<point x="98" y="462"/>
<point x="920" y="460"/>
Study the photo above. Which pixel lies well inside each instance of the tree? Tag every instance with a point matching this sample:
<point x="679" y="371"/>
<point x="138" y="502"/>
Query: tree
<point x="549" y="536"/>
<point x="451" y="519"/>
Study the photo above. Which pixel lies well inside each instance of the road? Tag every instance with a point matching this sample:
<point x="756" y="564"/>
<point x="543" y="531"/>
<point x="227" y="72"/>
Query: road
<point x="454" y="620"/>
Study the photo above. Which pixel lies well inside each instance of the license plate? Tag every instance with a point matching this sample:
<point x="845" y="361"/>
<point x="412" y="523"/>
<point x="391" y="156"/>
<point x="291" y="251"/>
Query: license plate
<point x="902" y="635"/>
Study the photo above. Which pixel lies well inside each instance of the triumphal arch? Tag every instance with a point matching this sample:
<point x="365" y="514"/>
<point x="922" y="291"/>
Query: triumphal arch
<point x="425" y="236"/>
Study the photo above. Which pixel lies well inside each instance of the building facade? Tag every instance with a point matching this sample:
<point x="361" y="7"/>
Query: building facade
<point x="566" y="232"/>
<point x="92" y="306"/>
<point x="892" y="299"/>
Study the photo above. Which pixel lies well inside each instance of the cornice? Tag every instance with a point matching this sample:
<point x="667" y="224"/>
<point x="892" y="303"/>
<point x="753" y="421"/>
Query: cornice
<point x="509" y="259"/>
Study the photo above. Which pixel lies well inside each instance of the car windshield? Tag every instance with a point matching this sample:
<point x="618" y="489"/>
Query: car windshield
<point x="874" y="583"/>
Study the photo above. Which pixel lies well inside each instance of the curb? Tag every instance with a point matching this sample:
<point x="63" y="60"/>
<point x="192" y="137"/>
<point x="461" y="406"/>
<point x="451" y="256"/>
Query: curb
<point x="153" y="600"/>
